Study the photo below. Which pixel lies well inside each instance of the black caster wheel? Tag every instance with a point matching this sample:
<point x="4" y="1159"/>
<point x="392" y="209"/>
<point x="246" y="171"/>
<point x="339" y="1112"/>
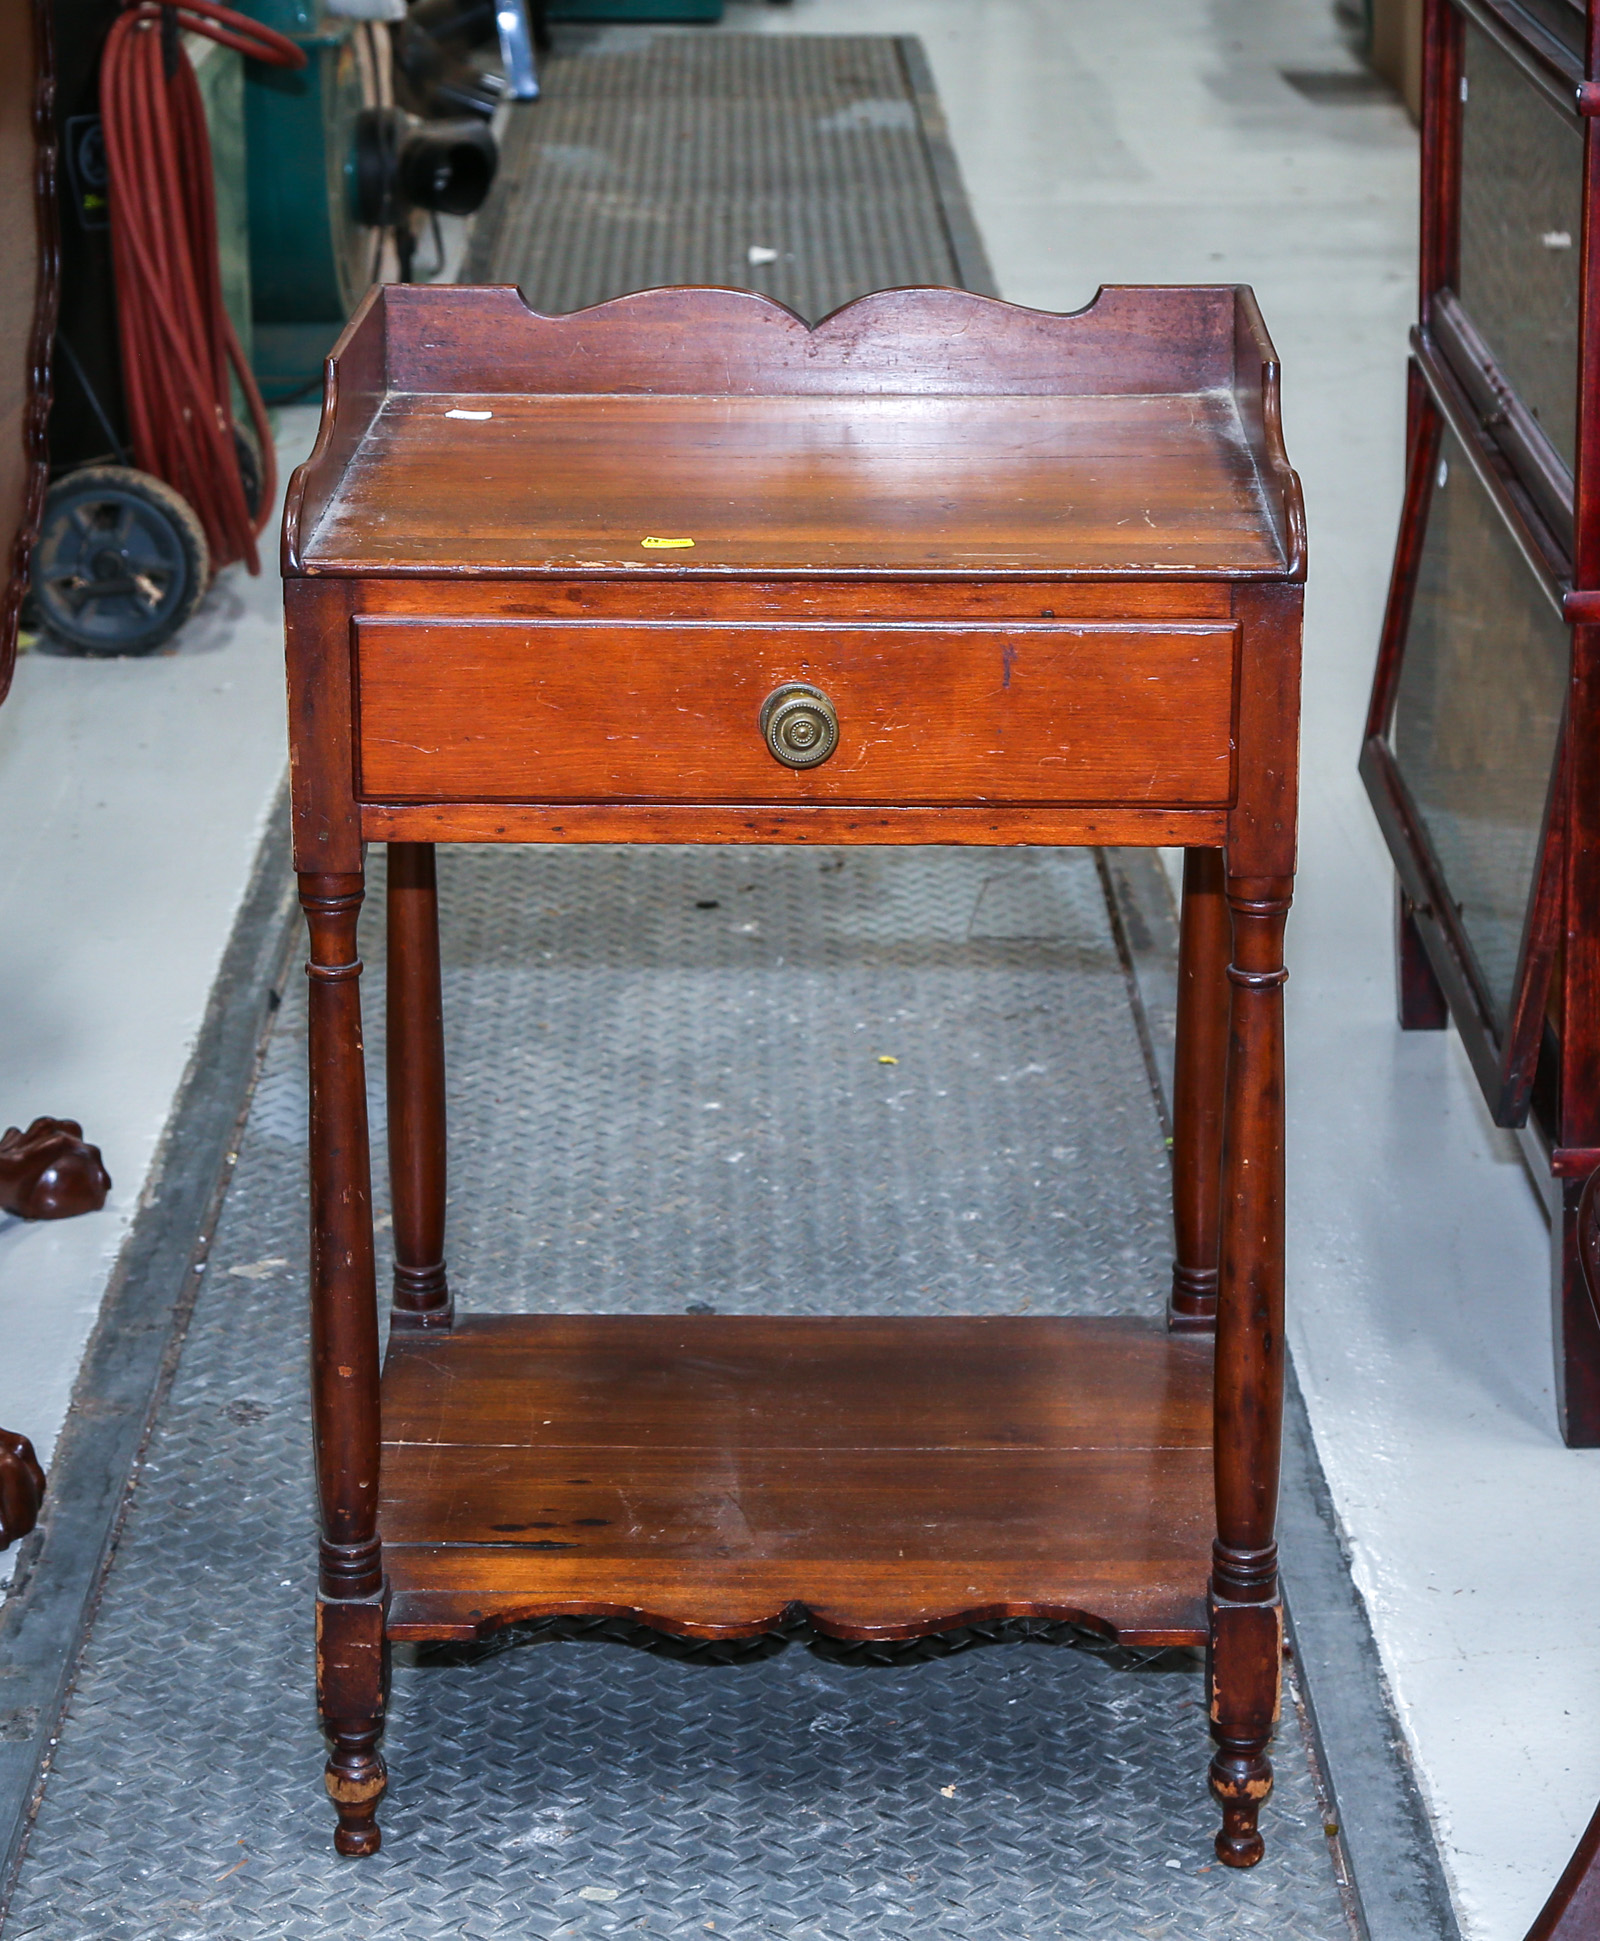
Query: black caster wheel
<point x="247" y="449"/>
<point x="121" y="561"/>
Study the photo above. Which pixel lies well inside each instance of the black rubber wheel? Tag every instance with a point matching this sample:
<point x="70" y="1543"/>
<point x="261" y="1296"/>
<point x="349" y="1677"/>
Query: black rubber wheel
<point x="251" y="473"/>
<point x="121" y="561"/>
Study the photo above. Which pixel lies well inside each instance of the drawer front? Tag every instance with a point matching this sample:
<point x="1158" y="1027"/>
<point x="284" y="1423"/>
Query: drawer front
<point x="553" y="711"/>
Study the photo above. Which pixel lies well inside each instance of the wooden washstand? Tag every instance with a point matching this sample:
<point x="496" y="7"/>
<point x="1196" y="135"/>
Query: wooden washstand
<point x="959" y="573"/>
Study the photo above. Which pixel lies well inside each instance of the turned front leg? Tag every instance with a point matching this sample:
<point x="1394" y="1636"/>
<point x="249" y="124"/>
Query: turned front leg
<point x="344" y="1367"/>
<point x="1246" y="1610"/>
<point x="415" y="1071"/>
<point x="1200" y="1069"/>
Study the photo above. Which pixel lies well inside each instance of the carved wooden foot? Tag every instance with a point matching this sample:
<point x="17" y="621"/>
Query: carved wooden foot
<point x="352" y="1687"/>
<point x="21" y="1487"/>
<point x="356" y="1779"/>
<point x="1244" y="1682"/>
<point x="50" y="1173"/>
<point x="1241" y="1780"/>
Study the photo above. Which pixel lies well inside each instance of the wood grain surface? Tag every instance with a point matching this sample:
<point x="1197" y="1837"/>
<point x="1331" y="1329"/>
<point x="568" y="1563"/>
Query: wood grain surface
<point x="708" y="1473"/>
<point x="746" y="822"/>
<point x="913" y="431"/>
<point x="1155" y="485"/>
<point x="1131" y="338"/>
<point x="797" y="598"/>
<point x="594" y="711"/>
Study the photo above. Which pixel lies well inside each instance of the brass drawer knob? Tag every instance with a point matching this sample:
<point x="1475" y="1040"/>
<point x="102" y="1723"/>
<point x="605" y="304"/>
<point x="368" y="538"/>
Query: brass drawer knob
<point x="800" y="725"/>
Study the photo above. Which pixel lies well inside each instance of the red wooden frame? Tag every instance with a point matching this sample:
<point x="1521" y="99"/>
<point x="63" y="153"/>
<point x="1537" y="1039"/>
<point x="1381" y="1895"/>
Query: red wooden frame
<point x="1539" y="1065"/>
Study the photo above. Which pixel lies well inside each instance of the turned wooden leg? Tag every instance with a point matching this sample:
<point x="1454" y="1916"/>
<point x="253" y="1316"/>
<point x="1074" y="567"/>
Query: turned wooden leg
<point x="1198" y="1074"/>
<point x="344" y="1366"/>
<point x="1419" y="1002"/>
<point x="352" y="1687"/>
<point x="416" y="1090"/>
<point x="1246" y="1611"/>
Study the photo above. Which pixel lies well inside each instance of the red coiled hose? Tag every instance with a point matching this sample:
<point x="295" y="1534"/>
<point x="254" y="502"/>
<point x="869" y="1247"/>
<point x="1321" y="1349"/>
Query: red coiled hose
<point x="177" y="342"/>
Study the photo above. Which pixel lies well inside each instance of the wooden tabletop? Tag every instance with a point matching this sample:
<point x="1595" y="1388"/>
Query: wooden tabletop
<point x="918" y="433"/>
<point x="468" y="483"/>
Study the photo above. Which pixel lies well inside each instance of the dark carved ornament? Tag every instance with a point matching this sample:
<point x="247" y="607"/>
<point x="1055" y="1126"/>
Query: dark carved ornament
<point x="50" y="1172"/>
<point x="21" y="1488"/>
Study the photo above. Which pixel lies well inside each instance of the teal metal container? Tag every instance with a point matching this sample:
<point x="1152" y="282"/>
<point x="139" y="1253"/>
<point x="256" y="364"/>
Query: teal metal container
<point x="310" y="255"/>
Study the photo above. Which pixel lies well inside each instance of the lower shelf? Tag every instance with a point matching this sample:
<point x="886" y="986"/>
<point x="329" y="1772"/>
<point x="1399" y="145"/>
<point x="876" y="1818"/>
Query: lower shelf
<point x="709" y="1474"/>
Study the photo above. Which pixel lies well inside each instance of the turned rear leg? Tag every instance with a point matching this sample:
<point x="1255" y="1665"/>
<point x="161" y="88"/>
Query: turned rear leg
<point x="1199" y="1071"/>
<point x="416" y="1090"/>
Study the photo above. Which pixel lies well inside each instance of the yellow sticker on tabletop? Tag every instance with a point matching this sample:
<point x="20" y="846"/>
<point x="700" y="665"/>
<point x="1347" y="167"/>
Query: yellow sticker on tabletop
<point x="657" y="545"/>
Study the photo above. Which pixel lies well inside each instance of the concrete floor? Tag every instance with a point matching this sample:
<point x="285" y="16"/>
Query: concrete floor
<point x="1152" y="141"/>
<point x="133" y="795"/>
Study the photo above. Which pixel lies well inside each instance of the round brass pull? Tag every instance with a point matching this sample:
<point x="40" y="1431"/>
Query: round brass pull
<point x="800" y="725"/>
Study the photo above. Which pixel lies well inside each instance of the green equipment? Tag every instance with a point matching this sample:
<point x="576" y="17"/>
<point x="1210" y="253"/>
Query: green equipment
<point x="335" y="172"/>
<point x="311" y="258"/>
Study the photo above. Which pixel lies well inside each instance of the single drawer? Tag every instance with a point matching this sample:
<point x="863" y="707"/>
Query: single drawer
<point x="558" y="711"/>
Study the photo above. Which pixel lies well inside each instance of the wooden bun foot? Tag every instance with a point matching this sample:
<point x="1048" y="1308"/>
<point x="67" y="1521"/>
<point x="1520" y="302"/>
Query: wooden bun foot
<point x="356" y="1780"/>
<point x="355" y="1842"/>
<point x="1240" y="1783"/>
<point x="49" y="1172"/>
<point x="21" y="1487"/>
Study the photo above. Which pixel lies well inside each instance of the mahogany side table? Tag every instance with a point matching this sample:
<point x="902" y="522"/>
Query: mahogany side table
<point x="680" y="569"/>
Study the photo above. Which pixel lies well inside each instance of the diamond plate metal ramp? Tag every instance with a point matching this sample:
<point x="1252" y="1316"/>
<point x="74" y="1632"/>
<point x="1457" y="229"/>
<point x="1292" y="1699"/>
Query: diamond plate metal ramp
<point x="811" y="167"/>
<point x="666" y="1090"/>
